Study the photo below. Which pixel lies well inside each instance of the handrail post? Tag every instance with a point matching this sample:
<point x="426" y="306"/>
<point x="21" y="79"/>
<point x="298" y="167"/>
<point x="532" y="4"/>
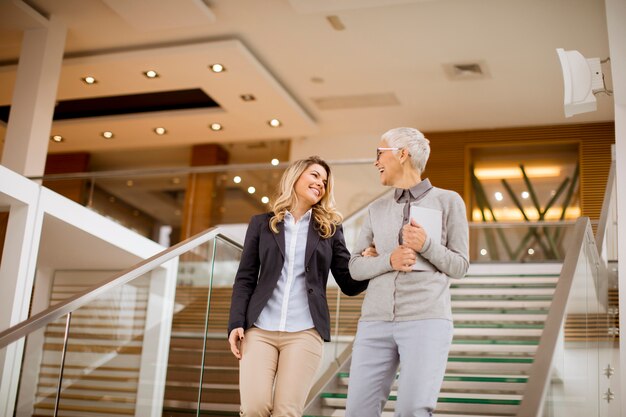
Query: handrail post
<point x="66" y="337"/>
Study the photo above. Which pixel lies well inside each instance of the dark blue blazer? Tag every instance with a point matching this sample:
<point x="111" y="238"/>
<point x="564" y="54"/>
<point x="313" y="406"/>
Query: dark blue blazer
<point x="262" y="261"/>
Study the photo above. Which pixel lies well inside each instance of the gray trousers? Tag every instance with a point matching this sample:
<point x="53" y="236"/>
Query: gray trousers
<point x="420" y="348"/>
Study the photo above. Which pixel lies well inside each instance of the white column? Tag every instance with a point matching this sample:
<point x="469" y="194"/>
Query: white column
<point x="616" y="24"/>
<point x="16" y="272"/>
<point x="34" y="97"/>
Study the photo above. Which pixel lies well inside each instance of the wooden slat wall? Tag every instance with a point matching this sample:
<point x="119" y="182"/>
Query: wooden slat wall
<point x="448" y="166"/>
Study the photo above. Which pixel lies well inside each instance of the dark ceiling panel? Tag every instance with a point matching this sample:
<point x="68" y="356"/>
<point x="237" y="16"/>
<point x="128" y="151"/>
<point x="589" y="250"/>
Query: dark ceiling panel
<point x="127" y="104"/>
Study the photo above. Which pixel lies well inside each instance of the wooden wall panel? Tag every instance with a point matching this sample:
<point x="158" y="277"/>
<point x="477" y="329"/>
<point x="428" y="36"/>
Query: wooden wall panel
<point x="448" y="166"/>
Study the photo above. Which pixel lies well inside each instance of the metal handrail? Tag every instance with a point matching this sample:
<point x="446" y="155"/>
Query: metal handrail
<point x="539" y="376"/>
<point x="73" y="303"/>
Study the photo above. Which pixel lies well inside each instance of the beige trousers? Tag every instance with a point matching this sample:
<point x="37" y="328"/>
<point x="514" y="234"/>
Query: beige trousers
<point x="277" y="370"/>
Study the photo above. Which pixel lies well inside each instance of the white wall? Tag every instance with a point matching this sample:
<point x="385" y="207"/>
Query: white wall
<point x="616" y="25"/>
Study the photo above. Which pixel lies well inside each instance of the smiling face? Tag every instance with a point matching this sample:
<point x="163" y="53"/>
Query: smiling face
<point x="388" y="164"/>
<point x="311" y="186"/>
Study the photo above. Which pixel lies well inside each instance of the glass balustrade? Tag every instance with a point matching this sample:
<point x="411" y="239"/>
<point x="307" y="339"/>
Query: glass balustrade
<point x="169" y="205"/>
<point x="202" y="374"/>
<point x="583" y="380"/>
<point x="109" y="357"/>
<point x="520" y="242"/>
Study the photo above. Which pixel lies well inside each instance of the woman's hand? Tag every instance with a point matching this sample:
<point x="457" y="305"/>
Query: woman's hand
<point x="403" y="258"/>
<point x="413" y="236"/>
<point x="235" y="338"/>
<point x="371" y="251"/>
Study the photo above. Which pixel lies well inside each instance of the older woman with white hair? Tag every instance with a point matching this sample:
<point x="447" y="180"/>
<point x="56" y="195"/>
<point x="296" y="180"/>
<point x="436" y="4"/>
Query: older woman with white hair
<point x="410" y="246"/>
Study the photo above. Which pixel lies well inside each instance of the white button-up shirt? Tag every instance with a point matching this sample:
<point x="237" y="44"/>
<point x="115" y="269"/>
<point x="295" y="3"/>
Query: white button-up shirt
<point x="287" y="310"/>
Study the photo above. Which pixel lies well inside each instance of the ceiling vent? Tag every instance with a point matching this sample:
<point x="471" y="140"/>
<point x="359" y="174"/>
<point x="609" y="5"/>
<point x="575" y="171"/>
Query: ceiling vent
<point x="356" y="101"/>
<point x="466" y="70"/>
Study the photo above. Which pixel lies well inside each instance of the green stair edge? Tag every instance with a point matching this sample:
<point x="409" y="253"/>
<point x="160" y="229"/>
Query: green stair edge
<point x="518" y="380"/>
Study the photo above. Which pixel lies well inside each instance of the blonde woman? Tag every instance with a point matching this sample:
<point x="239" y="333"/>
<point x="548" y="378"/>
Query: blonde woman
<point x="279" y="316"/>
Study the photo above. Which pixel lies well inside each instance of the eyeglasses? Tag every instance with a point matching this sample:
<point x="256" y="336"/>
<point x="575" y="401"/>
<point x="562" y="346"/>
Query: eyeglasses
<point x="381" y="150"/>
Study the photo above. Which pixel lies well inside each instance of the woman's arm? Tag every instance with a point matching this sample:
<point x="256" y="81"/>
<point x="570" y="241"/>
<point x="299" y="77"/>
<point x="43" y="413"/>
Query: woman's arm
<point x="339" y="266"/>
<point x="247" y="275"/>
<point x="367" y="267"/>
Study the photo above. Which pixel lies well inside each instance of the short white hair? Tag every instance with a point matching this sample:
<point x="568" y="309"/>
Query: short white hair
<point x="413" y="140"/>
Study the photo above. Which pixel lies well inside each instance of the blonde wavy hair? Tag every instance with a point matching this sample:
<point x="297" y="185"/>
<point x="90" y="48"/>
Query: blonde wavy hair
<point x="324" y="212"/>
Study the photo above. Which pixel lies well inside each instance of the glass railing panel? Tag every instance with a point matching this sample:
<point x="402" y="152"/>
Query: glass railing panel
<point x="220" y="376"/>
<point x="184" y="369"/>
<point x="345" y="310"/>
<point x="110" y="354"/>
<point x="109" y="347"/>
<point x="150" y="205"/>
<point x="520" y="242"/>
<point x="11" y="386"/>
<point x="170" y="204"/>
<point x="199" y="349"/>
<point x="577" y="382"/>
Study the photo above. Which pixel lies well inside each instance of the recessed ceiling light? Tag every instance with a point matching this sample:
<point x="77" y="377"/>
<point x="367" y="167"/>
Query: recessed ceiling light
<point x="265" y="199"/>
<point x="531" y="251"/>
<point x="175" y="180"/>
<point x="151" y="74"/>
<point x="107" y="134"/>
<point x="57" y="138"/>
<point x="215" y="126"/>
<point x="498" y="195"/>
<point x="217" y="68"/>
<point x="525" y="194"/>
<point x="89" y="80"/>
<point x="274" y="123"/>
<point x="247" y="97"/>
<point x="251" y="190"/>
<point x="237" y="179"/>
<point x="130" y="183"/>
<point x="483" y="252"/>
<point x="275" y="161"/>
<point x="160" y="130"/>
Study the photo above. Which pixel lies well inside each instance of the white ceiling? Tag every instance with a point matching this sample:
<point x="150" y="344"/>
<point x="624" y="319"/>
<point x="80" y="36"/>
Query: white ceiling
<point x="386" y="68"/>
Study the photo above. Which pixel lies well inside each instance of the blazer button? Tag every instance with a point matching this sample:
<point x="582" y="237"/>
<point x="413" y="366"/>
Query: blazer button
<point x="306" y="269"/>
<point x="310" y="291"/>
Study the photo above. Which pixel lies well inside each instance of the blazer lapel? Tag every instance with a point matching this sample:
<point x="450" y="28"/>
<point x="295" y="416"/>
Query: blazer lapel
<point x="280" y="238"/>
<point x="312" y="240"/>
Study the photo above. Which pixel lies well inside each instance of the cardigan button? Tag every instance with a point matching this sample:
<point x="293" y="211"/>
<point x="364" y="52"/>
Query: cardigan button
<point x="310" y="290"/>
<point x="306" y="269"/>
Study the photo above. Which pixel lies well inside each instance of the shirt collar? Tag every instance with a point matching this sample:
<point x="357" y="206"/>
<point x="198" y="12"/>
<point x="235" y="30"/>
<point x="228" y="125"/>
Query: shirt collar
<point x="305" y="217"/>
<point x="415" y="192"/>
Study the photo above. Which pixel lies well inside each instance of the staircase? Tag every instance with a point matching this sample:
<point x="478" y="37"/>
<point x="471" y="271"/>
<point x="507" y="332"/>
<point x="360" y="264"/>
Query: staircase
<point x="498" y="322"/>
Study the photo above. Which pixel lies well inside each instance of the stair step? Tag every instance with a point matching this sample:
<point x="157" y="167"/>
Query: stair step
<point x="486" y="304"/>
<point x="460" y="318"/>
<point x="470" y="402"/>
<point x="501" y="292"/>
<point x="492" y="349"/>
<point x="341" y="413"/>
<point x="488" y="365"/>
<point x="469" y="382"/>
<point x="497" y="331"/>
<point x="513" y="280"/>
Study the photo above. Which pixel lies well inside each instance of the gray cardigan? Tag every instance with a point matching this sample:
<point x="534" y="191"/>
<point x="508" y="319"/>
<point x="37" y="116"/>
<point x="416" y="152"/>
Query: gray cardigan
<point x="401" y="296"/>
